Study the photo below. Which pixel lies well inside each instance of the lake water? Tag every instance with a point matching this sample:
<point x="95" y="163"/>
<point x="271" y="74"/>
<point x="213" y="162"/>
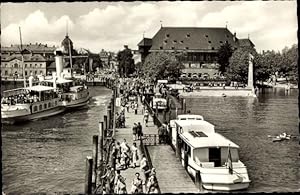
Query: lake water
<point x="272" y="166"/>
<point x="49" y="155"/>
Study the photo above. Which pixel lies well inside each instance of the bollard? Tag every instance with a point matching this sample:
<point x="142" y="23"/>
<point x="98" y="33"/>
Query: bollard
<point x="88" y="175"/>
<point x="198" y="180"/>
<point x="95" y="159"/>
<point x="105" y="125"/>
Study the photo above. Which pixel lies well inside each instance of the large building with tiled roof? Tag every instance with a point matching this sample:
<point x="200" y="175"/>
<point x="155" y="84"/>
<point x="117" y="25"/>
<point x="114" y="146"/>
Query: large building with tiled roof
<point x="200" y="46"/>
<point x="11" y="65"/>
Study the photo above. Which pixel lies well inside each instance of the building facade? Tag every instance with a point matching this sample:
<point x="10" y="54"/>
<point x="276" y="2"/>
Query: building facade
<point x="198" y="46"/>
<point x="36" y="59"/>
<point x="12" y="67"/>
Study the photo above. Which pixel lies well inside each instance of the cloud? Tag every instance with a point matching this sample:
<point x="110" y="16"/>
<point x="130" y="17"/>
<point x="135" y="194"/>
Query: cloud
<point x="268" y="23"/>
<point x="110" y="27"/>
<point x="36" y="28"/>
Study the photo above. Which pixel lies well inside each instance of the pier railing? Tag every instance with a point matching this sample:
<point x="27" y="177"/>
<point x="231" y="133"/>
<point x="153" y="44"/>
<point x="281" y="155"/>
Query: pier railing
<point x="155" y="139"/>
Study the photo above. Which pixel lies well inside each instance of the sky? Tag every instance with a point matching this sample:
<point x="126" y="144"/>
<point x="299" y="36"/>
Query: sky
<point x="271" y="25"/>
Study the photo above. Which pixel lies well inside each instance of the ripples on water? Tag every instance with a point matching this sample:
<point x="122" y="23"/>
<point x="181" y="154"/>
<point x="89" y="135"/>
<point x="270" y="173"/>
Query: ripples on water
<point x="248" y="122"/>
<point x="48" y="155"/>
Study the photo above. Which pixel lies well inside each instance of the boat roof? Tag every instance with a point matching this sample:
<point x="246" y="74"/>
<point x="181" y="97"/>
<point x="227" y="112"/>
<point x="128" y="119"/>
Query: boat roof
<point x="190" y="116"/>
<point x="39" y="88"/>
<point x="13" y="92"/>
<point x="195" y="125"/>
<point x="60" y="81"/>
<point x="199" y="139"/>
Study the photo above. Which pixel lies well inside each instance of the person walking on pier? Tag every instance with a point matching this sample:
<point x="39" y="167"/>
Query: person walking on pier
<point x="134" y="153"/>
<point x="137" y="184"/>
<point x="145" y="167"/>
<point x="139" y="131"/>
<point x="152" y="182"/>
<point x="146" y="117"/>
<point x="135" y="107"/>
<point x="120" y="185"/>
<point x="134" y="131"/>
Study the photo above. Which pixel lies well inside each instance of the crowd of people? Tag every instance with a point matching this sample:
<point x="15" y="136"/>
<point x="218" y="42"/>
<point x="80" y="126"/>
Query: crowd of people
<point x="124" y="157"/>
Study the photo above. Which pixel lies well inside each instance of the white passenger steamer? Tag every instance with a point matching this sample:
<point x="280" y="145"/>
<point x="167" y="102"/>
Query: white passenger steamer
<point x="48" y="98"/>
<point x="210" y="153"/>
<point x="29" y="103"/>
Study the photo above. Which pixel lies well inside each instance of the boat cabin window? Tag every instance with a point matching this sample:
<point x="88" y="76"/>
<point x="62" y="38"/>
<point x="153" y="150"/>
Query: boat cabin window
<point x="217" y="155"/>
<point x="41" y="107"/>
<point x="45" y="106"/>
<point x="49" y="104"/>
<point x="35" y="108"/>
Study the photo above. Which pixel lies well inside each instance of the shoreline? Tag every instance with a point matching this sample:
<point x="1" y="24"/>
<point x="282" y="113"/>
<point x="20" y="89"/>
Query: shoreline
<point x="219" y="92"/>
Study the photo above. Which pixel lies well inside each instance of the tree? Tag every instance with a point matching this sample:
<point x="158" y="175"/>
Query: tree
<point x="126" y="63"/>
<point x="224" y="54"/>
<point x="289" y="62"/>
<point x="161" y="65"/>
<point x="262" y="68"/>
<point x="237" y="69"/>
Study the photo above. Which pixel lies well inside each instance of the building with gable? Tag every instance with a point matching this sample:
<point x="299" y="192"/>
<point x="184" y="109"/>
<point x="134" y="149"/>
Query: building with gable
<point x="199" y="47"/>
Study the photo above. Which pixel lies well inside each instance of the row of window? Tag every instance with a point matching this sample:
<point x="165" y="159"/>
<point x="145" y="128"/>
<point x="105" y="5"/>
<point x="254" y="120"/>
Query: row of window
<point x="188" y="36"/>
<point x="16" y="65"/>
<point x="26" y="72"/>
<point x="49" y="105"/>
<point x="175" y="41"/>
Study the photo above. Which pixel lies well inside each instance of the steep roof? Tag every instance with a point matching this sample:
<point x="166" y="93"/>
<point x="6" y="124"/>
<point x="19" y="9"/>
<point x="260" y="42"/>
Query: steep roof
<point x="191" y="38"/>
<point x="38" y="47"/>
<point x="27" y="58"/>
<point x="145" y="42"/>
<point x="245" y="43"/>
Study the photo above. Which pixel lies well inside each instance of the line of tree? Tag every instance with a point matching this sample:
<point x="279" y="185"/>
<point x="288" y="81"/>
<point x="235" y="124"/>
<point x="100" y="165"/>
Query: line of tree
<point x="234" y="63"/>
<point x="162" y="65"/>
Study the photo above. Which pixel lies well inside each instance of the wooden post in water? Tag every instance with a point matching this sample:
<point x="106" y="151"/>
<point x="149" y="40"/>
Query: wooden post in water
<point x="109" y="116"/>
<point x="184" y="106"/>
<point x="105" y="126"/>
<point x="88" y="175"/>
<point x="101" y="138"/>
<point x="95" y="159"/>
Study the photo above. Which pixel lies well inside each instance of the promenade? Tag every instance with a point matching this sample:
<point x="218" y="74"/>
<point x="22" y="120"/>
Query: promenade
<point x="126" y="133"/>
<point x="171" y="176"/>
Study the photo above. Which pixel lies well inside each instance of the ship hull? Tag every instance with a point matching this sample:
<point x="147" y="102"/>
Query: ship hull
<point x="38" y="115"/>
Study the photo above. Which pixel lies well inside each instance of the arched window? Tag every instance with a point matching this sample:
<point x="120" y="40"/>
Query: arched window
<point x="41" y="107"/>
<point x="49" y="104"/>
<point x="15" y="65"/>
<point x="35" y="108"/>
<point x="45" y="106"/>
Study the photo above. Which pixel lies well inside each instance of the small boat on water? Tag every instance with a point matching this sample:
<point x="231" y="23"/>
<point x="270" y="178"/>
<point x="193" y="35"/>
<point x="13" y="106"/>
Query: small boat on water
<point x="214" y="156"/>
<point x="281" y="137"/>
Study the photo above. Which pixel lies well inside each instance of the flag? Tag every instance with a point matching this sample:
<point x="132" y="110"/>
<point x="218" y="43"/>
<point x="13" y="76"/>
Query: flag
<point x="229" y="161"/>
